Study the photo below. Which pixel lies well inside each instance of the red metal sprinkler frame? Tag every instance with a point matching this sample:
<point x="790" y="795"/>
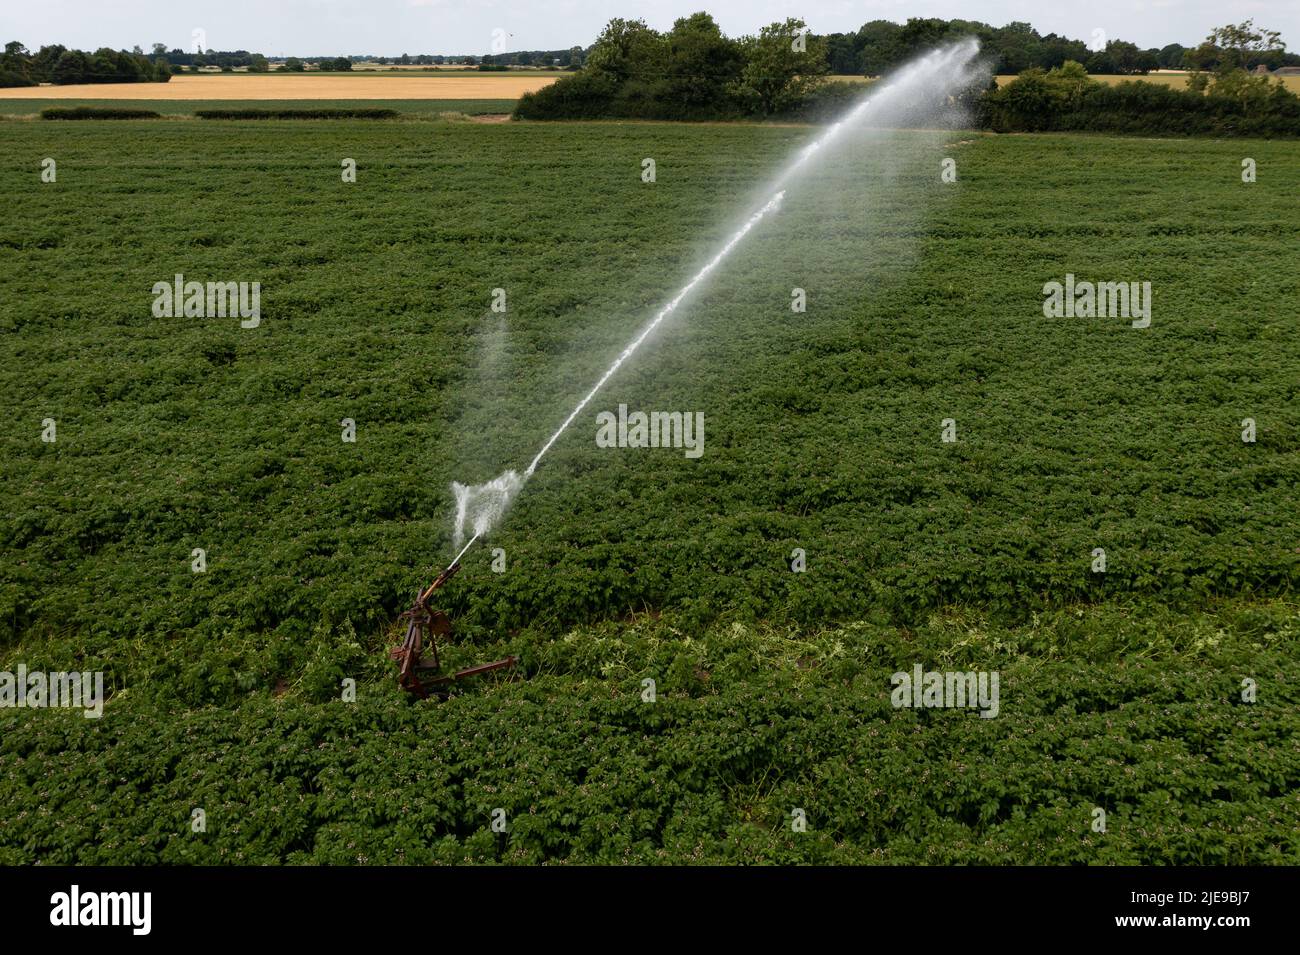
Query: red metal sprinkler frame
<point x="423" y="626"/>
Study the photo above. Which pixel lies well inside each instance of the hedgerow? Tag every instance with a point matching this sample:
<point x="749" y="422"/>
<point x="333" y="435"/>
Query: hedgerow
<point x="1067" y="100"/>
<point x="98" y="112"/>
<point x="359" y="112"/>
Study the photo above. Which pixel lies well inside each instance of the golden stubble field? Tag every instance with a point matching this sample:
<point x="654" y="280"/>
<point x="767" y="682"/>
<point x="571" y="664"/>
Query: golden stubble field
<point x="280" y="87"/>
<point x="1174" y="79"/>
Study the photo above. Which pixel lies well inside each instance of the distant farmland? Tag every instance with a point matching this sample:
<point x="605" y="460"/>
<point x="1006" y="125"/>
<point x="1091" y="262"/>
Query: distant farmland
<point x="187" y="107"/>
<point x="1177" y="80"/>
<point x="336" y="86"/>
<point x="186" y="93"/>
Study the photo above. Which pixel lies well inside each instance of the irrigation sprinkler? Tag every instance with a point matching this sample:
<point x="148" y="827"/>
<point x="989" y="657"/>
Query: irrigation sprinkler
<point x="424" y="625"/>
<point x="484" y="505"/>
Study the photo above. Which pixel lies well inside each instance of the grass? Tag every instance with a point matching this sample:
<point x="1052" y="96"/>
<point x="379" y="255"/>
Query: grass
<point x="1121" y="691"/>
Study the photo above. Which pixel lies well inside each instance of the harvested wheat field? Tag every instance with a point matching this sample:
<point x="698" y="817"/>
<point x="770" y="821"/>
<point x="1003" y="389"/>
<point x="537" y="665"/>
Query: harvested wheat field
<point x="277" y="87"/>
<point x="1175" y="78"/>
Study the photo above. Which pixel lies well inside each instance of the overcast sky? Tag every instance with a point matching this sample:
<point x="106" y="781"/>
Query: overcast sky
<point x="340" y="27"/>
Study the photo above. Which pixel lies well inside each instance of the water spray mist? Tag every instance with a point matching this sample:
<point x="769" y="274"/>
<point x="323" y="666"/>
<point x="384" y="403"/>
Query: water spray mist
<point x="926" y="80"/>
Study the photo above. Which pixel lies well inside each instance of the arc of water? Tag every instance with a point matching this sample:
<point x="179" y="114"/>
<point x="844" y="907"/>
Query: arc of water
<point x="922" y="71"/>
<point x="938" y="59"/>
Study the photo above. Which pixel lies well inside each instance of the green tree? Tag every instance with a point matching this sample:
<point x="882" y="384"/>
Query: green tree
<point x="881" y="46"/>
<point x="842" y="54"/>
<point x="1252" y="92"/>
<point x="783" y="64"/>
<point x="1017" y="47"/>
<point x="627" y="49"/>
<point x="258" y="64"/>
<point x="1068" y="83"/>
<point x="44" y="60"/>
<point x="1124" y="56"/>
<point x="71" y="67"/>
<point x="294" y="65"/>
<point x="1234" y="47"/>
<point x="1101" y="63"/>
<point x="1054" y="51"/>
<point x="920" y="34"/>
<point x="702" y="63"/>
<point x="1171" y="57"/>
<point x="1239" y="44"/>
<point x="16" y="66"/>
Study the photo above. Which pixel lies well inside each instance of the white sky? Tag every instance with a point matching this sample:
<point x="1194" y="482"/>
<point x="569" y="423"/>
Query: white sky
<point x="391" y="27"/>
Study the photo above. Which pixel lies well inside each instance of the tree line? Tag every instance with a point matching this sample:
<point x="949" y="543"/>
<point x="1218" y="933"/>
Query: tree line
<point x="881" y="45"/>
<point x="1225" y="102"/>
<point x="562" y="59"/>
<point x="57" y="64"/>
<point x="695" y="61"/>
<point x="60" y="65"/>
<point x="694" y="72"/>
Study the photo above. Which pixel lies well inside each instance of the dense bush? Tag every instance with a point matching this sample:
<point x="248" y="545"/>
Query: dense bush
<point x="692" y="72"/>
<point x="1068" y="100"/>
<point x="98" y="112"/>
<point x="299" y="113"/>
<point x="826" y="103"/>
<point x="585" y="95"/>
<point x="14" y="78"/>
<point x="636" y="73"/>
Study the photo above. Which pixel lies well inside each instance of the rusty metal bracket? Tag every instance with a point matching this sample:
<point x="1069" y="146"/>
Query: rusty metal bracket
<point x="423" y="627"/>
